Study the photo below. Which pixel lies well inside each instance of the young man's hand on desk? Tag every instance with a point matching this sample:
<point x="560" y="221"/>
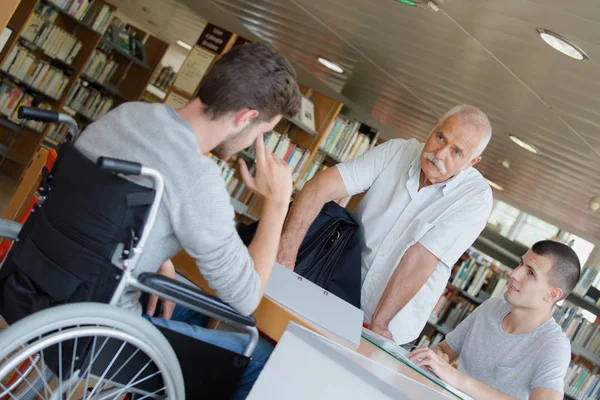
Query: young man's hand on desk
<point x="438" y="361"/>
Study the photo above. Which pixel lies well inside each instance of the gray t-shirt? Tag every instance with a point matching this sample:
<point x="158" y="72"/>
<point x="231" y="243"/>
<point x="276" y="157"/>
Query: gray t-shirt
<point x="195" y="214"/>
<point x="511" y="364"/>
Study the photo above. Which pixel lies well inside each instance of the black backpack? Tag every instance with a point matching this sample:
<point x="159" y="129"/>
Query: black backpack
<point x="330" y="254"/>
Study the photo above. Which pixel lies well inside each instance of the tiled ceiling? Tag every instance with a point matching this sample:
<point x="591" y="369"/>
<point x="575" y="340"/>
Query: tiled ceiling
<point x="404" y="66"/>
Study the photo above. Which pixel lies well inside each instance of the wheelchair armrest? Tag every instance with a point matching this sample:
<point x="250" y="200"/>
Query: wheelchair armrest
<point x="193" y="296"/>
<point x="9" y="229"/>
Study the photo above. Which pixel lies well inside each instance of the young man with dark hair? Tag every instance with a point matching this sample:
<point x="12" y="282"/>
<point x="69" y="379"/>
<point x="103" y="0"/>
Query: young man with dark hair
<point x="245" y="93"/>
<point x="512" y="347"/>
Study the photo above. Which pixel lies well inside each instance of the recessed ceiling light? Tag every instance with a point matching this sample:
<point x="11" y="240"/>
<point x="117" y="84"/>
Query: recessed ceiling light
<point x="184" y="45"/>
<point x="494" y="185"/>
<point x="595" y="203"/>
<point x="331" y="65"/>
<point x="562" y="44"/>
<point x="505" y="163"/>
<point x="527" y="146"/>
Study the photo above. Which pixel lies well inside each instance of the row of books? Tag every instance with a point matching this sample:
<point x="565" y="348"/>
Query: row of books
<point x="75" y="8"/>
<point x="458" y="313"/>
<point x="343" y="141"/>
<point x="579" y="330"/>
<point x="475" y="276"/>
<point x="441" y="307"/>
<point x="88" y="101"/>
<point x="589" y="277"/>
<point x="53" y="40"/>
<point x="430" y="341"/>
<point x="581" y="383"/>
<point x="11" y="98"/>
<point x="57" y="133"/>
<point x="94" y="14"/>
<point x="100" y="67"/>
<point x="22" y="64"/>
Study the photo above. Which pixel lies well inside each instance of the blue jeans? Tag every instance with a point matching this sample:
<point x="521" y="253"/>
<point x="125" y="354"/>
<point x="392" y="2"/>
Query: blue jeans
<point x="190" y="323"/>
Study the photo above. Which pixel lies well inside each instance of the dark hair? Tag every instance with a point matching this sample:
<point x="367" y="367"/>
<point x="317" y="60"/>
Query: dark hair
<point x="254" y="76"/>
<point x="565" y="268"/>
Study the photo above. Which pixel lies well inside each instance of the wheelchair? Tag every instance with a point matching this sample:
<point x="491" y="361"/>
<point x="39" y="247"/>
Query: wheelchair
<point x="60" y="289"/>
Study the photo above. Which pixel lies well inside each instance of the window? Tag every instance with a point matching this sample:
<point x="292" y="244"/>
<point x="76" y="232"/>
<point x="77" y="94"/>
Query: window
<point x="582" y="247"/>
<point x="503" y="217"/>
<point x="533" y="230"/>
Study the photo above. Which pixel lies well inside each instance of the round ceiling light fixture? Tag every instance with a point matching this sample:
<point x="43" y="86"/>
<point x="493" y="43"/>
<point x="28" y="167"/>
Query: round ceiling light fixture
<point x="494" y="185"/>
<point x="331" y="65"/>
<point x="595" y="203"/>
<point x="505" y="163"/>
<point x="562" y="44"/>
<point x="527" y="146"/>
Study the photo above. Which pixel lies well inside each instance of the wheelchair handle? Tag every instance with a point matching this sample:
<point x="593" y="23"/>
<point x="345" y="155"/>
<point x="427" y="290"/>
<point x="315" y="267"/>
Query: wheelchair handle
<point x="39" y="114"/>
<point x="119" y="166"/>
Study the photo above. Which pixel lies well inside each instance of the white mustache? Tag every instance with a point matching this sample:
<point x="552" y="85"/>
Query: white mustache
<point x="436" y="161"/>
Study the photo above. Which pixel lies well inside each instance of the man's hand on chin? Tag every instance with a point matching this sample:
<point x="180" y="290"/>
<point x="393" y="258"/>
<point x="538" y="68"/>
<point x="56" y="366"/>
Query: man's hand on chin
<point x="381" y="330"/>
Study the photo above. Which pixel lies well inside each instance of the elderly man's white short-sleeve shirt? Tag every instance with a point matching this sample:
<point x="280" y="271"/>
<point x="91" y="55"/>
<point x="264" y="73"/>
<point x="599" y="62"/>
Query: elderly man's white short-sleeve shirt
<point x="445" y="218"/>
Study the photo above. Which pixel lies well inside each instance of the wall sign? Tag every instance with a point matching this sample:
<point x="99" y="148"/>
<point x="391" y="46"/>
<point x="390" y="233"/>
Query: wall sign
<point x="193" y="69"/>
<point x="214" y="38"/>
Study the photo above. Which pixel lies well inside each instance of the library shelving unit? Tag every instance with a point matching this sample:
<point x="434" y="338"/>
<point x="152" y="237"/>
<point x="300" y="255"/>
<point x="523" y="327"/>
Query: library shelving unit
<point x="307" y="149"/>
<point x="478" y="276"/>
<point x="56" y="40"/>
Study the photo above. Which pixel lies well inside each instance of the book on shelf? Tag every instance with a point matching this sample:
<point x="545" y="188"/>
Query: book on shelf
<point x="75" y="8"/>
<point x="441" y="307"/>
<point x="577" y="328"/>
<point x="92" y="13"/>
<point x="53" y="40"/>
<point x="98" y="16"/>
<point x="581" y="382"/>
<point x="344" y="141"/>
<point x="100" y="67"/>
<point x="10" y="98"/>
<point x="426" y="341"/>
<point x="23" y="65"/>
<point x="88" y="101"/>
<point x="590" y="277"/>
<point x="478" y="278"/>
<point x="285" y="149"/>
<point x="57" y="133"/>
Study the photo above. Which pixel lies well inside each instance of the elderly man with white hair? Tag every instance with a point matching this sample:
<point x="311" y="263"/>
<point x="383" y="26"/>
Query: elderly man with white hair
<point x="424" y="207"/>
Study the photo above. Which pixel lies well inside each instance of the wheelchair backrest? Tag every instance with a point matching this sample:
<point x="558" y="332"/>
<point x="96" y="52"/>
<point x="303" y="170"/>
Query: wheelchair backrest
<point x="64" y="251"/>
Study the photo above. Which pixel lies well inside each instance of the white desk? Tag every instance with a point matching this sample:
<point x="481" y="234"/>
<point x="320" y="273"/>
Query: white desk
<point x="306" y="365"/>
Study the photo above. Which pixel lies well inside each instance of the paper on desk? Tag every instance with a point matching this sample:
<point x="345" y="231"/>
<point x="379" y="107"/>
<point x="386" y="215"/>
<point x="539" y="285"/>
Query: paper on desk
<point x="315" y="304"/>
<point x="401" y="354"/>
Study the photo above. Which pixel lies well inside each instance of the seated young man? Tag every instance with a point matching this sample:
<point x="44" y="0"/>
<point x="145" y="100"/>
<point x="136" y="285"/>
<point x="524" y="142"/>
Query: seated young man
<point x="512" y="347"/>
<point x="244" y="94"/>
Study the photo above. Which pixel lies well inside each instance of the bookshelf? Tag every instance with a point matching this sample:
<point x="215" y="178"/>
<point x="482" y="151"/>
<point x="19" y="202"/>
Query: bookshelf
<point x="306" y="149"/>
<point x="44" y="64"/>
<point x="470" y="285"/>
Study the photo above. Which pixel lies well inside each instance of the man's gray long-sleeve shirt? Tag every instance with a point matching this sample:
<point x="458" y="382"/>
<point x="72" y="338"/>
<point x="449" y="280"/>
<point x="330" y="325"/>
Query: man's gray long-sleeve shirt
<point x="195" y="214"/>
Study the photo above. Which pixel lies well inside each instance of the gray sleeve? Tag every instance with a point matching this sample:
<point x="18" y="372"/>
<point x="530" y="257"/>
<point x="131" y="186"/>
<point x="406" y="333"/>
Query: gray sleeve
<point x="456" y="338"/>
<point x="203" y="221"/>
<point x="550" y="369"/>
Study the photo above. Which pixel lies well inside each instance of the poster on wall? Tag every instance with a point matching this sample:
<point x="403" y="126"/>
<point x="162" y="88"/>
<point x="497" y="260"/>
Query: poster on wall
<point x="175" y="100"/>
<point x="193" y="69"/>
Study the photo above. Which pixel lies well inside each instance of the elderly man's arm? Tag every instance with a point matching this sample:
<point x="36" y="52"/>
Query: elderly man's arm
<point x="345" y="179"/>
<point x="414" y="269"/>
<point x="444" y="243"/>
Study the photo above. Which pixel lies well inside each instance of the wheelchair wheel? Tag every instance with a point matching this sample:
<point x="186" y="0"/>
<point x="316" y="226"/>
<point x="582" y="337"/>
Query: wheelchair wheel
<point x="87" y="351"/>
